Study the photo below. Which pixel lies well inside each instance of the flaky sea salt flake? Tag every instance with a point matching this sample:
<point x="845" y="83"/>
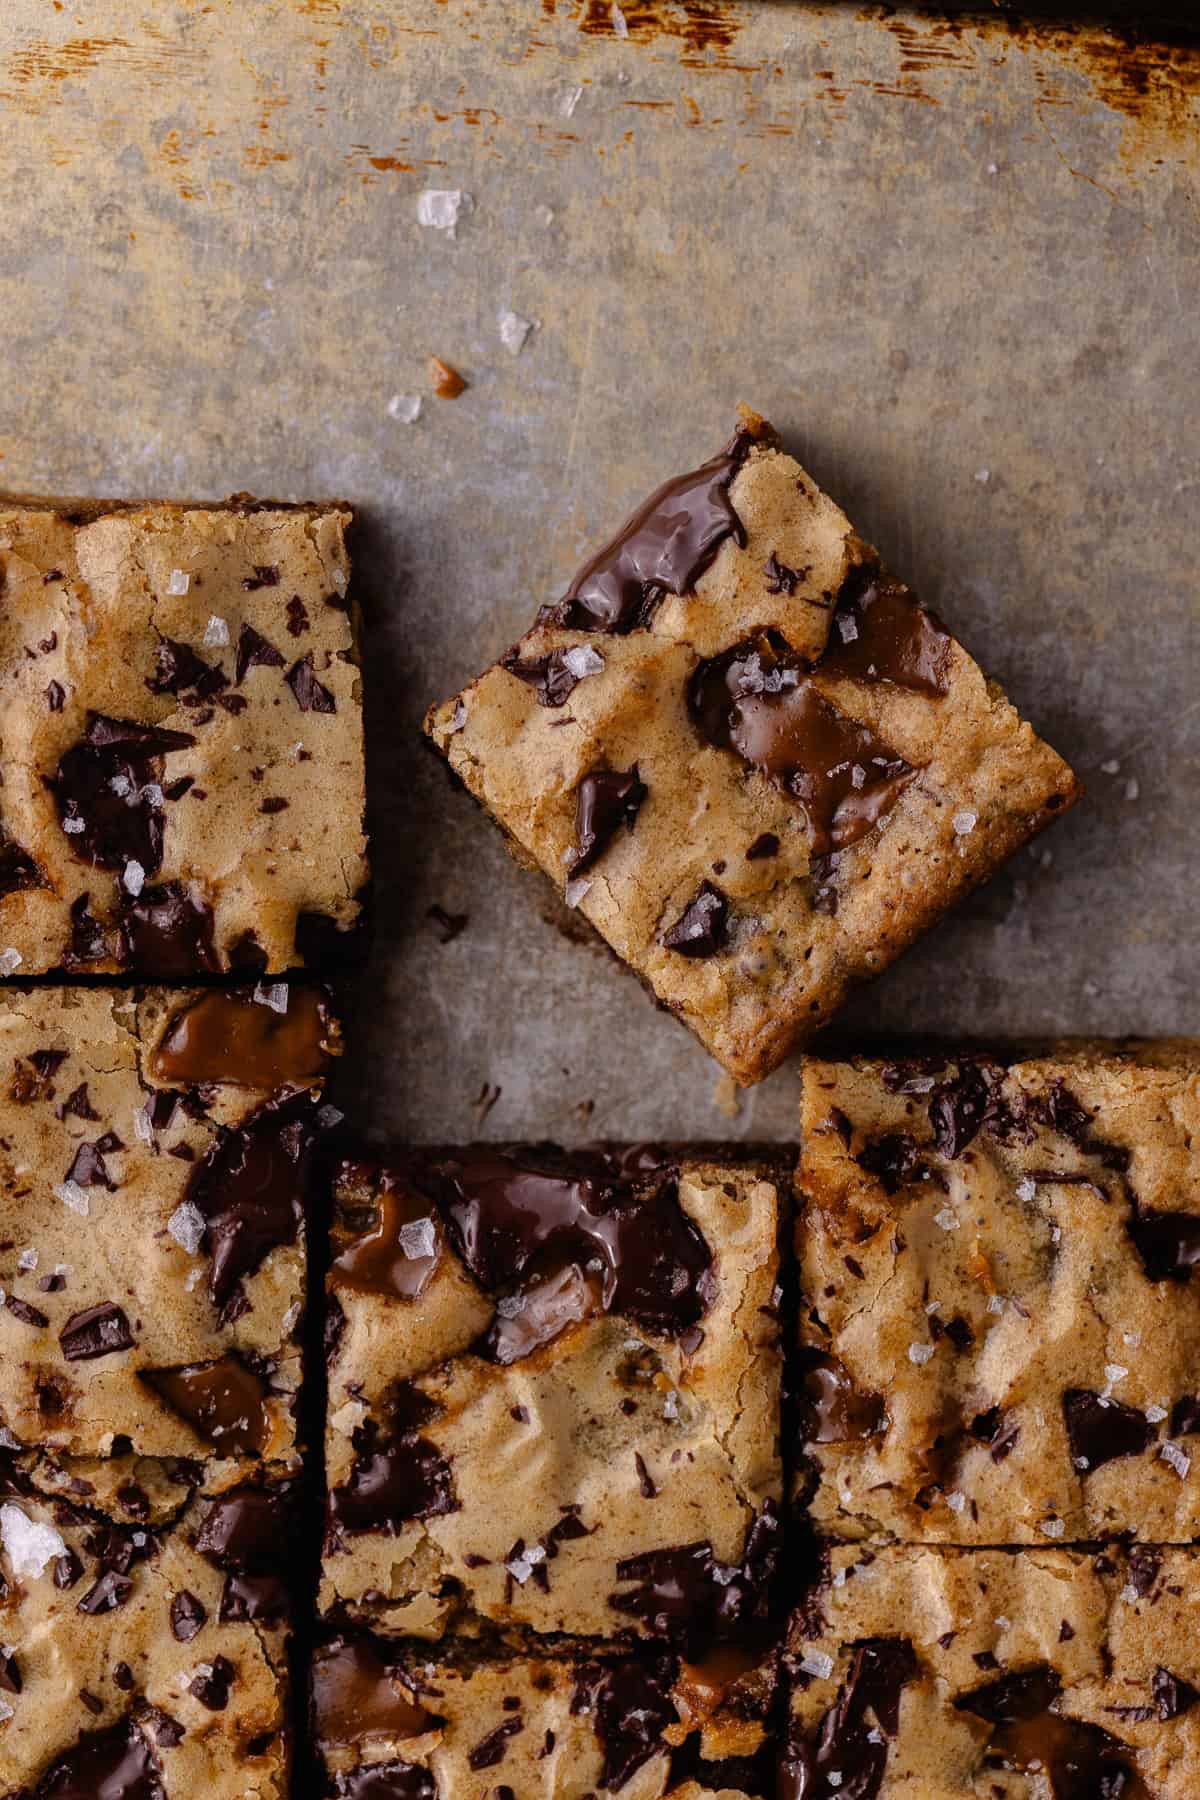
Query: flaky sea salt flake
<point x="514" y="330"/>
<point x="73" y="1196"/>
<point x="134" y="878"/>
<point x="11" y="960"/>
<point x="418" y="1238"/>
<point x="187" y="1226"/>
<point x="815" y="1662"/>
<point x="273" y="994"/>
<point x="29" y="1546"/>
<point x="405" y="407"/>
<point x="216" y="631"/>
<point x="441" y="208"/>
<point x="179" y="581"/>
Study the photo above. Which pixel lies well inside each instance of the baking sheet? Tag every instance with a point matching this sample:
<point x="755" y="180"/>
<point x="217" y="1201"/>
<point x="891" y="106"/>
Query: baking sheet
<point x="956" y="266"/>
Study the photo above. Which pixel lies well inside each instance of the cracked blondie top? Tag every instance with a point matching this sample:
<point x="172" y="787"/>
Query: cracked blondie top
<point x="556" y="1725"/>
<point x="748" y="755"/>
<point x="936" y="1674"/>
<point x="554" y="1394"/>
<point x="155" y="1157"/>
<point x="1000" y="1312"/>
<point x="142" y="1633"/>
<point x="181" y="749"/>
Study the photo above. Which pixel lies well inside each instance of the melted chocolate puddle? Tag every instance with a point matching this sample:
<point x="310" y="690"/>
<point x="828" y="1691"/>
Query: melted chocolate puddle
<point x="400" y="1251"/>
<point x="356" y="1697"/>
<point x="663" y="548"/>
<point x="832" y="1409"/>
<point x="230" y="1037"/>
<point x="224" y="1401"/>
<point x="1082" y="1761"/>
<point x="116" y="1764"/>
<point x="759" y="700"/>
<point x="880" y="633"/>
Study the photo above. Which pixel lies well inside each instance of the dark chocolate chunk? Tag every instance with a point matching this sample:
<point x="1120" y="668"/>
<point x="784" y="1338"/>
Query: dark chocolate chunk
<point x="254" y="651"/>
<point x="396" y="1480"/>
<point x="109" y="794"/>
<point x="18" y="870"/>
<point x="663" y="548"/>
<point x="765" y="845"/>
<point x="211" y="1684"/>
<point x="311" y="696"/>
<point x="880" y="633"/>
<point x="115" y="1764"/>
<point x="759" y="701"/>
<point x="1144" y="1564"/>
<point x="554" y="677"/>
<point x="685" y="1592"/>
<point x="231" y="1037"/>
<point x="1185" y="1416"/>
<point x="1172" y="1694"/>
<point x="110" y="1592"/>
<point x="779" y="578"/>
<point x="604" y="801"/>
<point x="56" y="695"/>
<point x="959" y="1108"/>
<point x="702" y="927"/>
<point x="247" y="1533"/>
<point x="88" y="941"/>
<point x="188" y="1616"/>
<point x="894" y="1160"/>
<point x="265" y="575"/>
<point x="357" y="1695"/>
<point x="28" y="1315"/>
<point x="167" y="933"/>
<point x="1168" y="1243"/>
<point x="832" y="1410"/>
<point x="512" y="1221"/>
<point x="98" y="1331"/>
<point x="224" y="1401"/>
<point x="10" y="1671"/>
<point x="78" y="1105"/>
<point x="250" y="1188"/>
<point x="492" y="1749"/>
<point x="632" y="1707"/>
<point x="180" y="669"/>
<point x="297" y="617"/>
<point x="1081" y="1761"/>
<point x="1100" y="1429"/>
<point x="88" y="1168"/>
<point x="851" y="1741"/>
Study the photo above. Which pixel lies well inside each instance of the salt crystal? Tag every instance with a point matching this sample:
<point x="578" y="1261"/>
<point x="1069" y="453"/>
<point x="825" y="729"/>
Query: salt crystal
<point x="671" y="1405"/>
<point x="405" y="407"/>
<point x="620" y="22"/>
<point x="274" y="995"/>
<point x="29" y="1546"/>
<point x="1113" y="1372"/>
<point x="134" y="878"/>
<point x="956" y="1502"/>
<point x="418" y="1238"/>
<point x="1179" y="1460"/>
<point x="1026" y="1189"/>
<point x="965" y="822"/>
<point x="535" y="1554"/>
<point x="27" y="1261"/>
<point x="1056" y="1234"/>
<point x="73" y="827"/>
<point x="459" y="717"/>
<point x="1003" y="1621"/>
<point x="328" y="1116"/>
<point x="152" y="794"/>
<point x="441" y="208"/>
<point x="995" y="1304"/>
<point x="1128" y="1593"/>
<point x="121" y="784"/>
<point x="1155" y="1414"/>
<point x="6" y="1711"/>
<point x="545" y="217"/>
<point x="187" y="1226"/>
<point x="10" y="961"/>
<point x="834" y="1778"/>
<point x="519" y="1569"/>
<point x="815" y="1662"/>
<point x="72" y="1195"/>
<point x="983" y="476"/>
<point x="179" y="581"/>
<point x="514" y="331"/>
<point x="195" y="1277"/>
<point x="569" y="101"/>
<point x="1132" y="1338"/>
<point x="216" y="631"/>
<point x="142" y="1128"/>
<point x="858" y="776"/>
<point x="847" y="629"/>
<point x="582" y="660"/>
<point x="947" y="1219"/>
<point x="1052" y="1528"/>
<point x="576" y="890"/>
<point x="1112" y="767"/>
<point x="919" y="1353"/>
<point x="1132" y="790"/>
<point x="291" y="1317"/>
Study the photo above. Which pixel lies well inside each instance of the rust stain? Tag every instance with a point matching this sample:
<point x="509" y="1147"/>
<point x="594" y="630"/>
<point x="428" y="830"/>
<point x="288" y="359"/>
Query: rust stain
<point x="702" y="28"/>
<point x="36" y="75"/>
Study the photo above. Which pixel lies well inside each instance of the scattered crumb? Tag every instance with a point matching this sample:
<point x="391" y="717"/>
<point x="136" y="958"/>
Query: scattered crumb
<point x="405" y="407"/>
<point x="1132" y="790"/>
<point x="448" y="924"/>
<point x="448" y="384"/>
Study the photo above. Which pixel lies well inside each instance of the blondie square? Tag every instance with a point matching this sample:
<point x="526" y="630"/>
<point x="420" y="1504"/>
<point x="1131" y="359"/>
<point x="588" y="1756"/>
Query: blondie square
<point x="1000" y="1308"/>
<point x="143" y="1632"/>
<point x="156" y="1149"/>
<point x="557" y="1724"/>
<point x="748" y="755"/>
<point x="181" y="747"/>
<point x="926" y="1674"/>
<point x="554" y="1395"/>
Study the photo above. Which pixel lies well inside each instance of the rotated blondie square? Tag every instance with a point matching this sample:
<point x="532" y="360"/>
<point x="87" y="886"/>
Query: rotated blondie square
<point x="155" y="1158"/>
<point x="748" y="755"/>
<point x="554" y="1395"/>
<point x="1013" y="1675"/>
<point x="181" y="753"/>
<point x="558" y="1724"/>
<point x="143" y="1633"/>
<point x="1001" y="1317"/>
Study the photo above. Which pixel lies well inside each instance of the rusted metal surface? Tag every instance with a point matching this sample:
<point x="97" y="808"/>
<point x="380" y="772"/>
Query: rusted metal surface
<point x="956" y="265"/>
